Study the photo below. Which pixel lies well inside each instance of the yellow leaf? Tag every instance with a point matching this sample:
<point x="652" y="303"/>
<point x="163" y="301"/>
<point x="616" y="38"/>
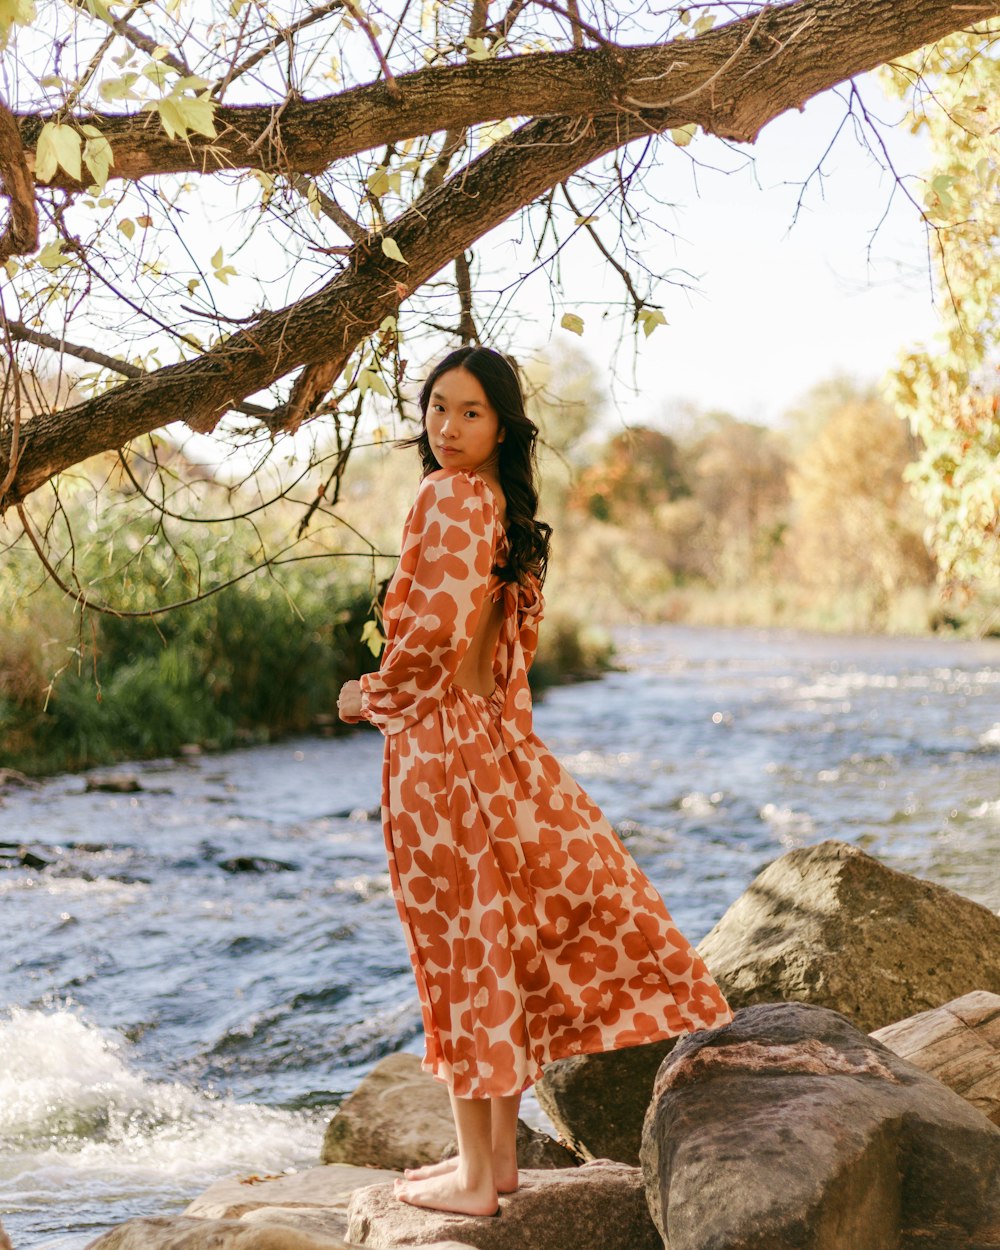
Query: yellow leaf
<point x="98" y="157"/>
<point x="46" y="159"/>
<point x="58" y="145"/>
<point x="52" y="256"/>
<point x="391" y="249"/>
<point x="573" y="323"/>
<point x="372" y="637"/>
<point x="127" y="227"/>
<point x="682" y="135"/>
<point x="14" y="13"/>
<point x="651" y="318"/>
<point x="217" y="259"/>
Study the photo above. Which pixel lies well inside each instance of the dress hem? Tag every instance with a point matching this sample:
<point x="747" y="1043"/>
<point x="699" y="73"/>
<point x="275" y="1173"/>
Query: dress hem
<point x="434" y="1068"/>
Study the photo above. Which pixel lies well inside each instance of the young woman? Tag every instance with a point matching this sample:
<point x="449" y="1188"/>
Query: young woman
<point x="532" y="932"/>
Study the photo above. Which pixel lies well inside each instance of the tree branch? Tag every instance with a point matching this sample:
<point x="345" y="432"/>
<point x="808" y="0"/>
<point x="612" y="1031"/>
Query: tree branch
<point x="845" y="37"/>
<point x="21" y="234"/>
<point x="715" y="75"/>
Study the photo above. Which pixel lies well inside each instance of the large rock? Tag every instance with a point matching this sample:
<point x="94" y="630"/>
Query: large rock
<point x="791" y="1130"/>
<point x="830" y="925"/>
<point x="601" y="1204"/>
<point x="959" y="1044"/>
<point x="597" y="1102"/>
<point x="400" y="1117"/>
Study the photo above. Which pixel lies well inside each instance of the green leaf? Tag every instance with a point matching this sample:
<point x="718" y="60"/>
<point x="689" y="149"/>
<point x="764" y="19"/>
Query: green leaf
<point x="372" y="637"/>
<point x="391" y="249"/>
<point x="682" y="135"/>
<point x="573" y="323"/>
<point x="650" y="319"/>
<point x="58" y="145"/>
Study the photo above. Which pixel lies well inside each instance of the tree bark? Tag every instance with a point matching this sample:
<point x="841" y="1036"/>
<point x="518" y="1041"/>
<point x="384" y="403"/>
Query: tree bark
<point x="755" y="69"/>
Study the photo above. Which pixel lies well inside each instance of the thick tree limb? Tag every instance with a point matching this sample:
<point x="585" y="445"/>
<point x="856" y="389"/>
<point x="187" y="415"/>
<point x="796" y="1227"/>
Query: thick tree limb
<point x="717" y="77"/>
<point x="21" y="233"/>
<point x="807" y="47"/>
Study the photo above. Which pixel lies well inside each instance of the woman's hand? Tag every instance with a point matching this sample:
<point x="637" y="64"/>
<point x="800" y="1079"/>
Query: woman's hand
<point x="349" y="702"/>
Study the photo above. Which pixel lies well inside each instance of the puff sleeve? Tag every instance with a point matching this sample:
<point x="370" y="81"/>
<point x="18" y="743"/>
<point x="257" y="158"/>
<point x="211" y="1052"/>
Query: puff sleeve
<point x="434" y="598"/>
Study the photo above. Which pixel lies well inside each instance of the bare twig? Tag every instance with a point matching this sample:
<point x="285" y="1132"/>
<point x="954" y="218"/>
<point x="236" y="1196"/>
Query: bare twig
<point x="329" y="207"/>
<point x="314" y="15"/>
<point x="390" y="82"/>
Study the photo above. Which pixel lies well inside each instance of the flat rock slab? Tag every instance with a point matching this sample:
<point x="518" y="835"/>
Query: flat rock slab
<point x="959" y="1044"/>
<point x="601" y="1204"/>
<point x="181" y="1233"/>
<point x="791" y="1130"/>
<point x="314" y="1202"/>
<point x="830" y="925"/>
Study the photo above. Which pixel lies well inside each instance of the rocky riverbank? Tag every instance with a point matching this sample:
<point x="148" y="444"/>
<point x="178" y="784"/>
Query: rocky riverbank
<point x="795" y="1126"/>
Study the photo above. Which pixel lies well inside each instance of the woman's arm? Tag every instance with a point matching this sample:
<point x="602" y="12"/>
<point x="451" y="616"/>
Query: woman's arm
<point x="434" y="599"/>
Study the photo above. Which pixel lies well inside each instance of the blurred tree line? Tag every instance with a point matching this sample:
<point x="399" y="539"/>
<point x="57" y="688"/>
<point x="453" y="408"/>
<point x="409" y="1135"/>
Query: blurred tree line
<point x="702" y="516"/>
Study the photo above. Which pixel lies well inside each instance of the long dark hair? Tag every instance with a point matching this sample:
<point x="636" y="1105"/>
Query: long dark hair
<point x="498" y="376"/>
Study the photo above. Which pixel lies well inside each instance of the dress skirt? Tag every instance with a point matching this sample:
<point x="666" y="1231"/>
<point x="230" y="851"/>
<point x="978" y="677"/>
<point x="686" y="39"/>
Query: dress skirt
<point x="532" y="931"/>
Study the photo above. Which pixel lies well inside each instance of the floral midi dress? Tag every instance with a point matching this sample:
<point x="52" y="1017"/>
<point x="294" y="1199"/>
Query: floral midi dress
<point x="532" y="932"/>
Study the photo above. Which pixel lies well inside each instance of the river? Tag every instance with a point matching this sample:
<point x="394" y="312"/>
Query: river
<point x="166" y="1019"/>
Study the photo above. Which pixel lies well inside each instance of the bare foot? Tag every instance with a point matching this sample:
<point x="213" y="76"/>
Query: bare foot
<point x="506" y="1175"/>
<point x="446" y="1193"/>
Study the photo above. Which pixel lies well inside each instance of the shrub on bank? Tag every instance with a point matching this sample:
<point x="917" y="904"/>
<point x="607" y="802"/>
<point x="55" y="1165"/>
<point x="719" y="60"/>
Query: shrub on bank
<point x="256" y="661"/>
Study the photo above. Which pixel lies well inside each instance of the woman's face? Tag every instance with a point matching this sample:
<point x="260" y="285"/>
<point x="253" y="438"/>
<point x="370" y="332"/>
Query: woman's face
<point x="462" y="425"/>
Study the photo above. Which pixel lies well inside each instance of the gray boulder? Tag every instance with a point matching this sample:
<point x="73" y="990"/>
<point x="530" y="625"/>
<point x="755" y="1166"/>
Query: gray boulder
<point x="597" y="1102"/>
<point x="791" y="1130"/>
<point x="400" y="1117"/>
<point x="599" y="1204"/>
<point x="830" y="925"/>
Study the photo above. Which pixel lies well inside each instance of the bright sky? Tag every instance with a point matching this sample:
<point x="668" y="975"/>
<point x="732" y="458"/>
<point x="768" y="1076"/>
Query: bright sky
<point x="781" y="306"/>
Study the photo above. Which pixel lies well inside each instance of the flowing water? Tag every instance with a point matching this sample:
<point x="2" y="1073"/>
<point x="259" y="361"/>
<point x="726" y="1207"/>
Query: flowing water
<point x="166" y="1019"/>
